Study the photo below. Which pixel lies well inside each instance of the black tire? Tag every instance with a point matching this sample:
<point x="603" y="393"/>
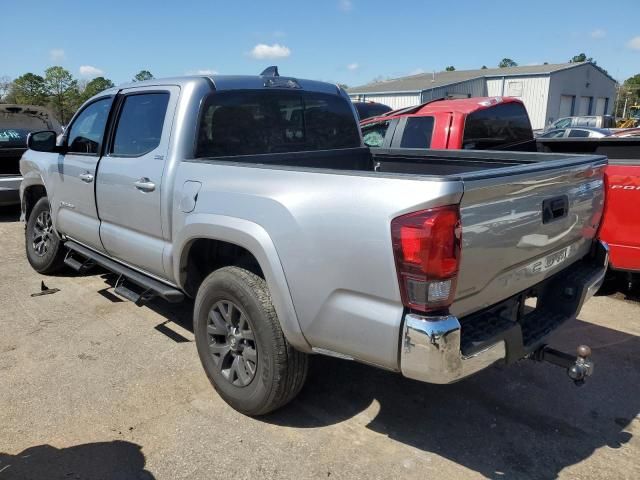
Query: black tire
<point x="279" y="371"/>
<point x="45" y="250"/>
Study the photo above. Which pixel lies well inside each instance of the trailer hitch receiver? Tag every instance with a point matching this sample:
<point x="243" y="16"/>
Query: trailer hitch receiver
<point x="578" y="367"/>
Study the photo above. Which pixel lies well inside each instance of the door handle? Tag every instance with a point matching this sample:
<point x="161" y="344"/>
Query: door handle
<point x="145" y="185"/>
<point x="86" y="177"/>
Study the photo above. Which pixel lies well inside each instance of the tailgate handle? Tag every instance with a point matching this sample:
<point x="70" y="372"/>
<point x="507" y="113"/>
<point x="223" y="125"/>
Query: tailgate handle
<point x="555" y="208"/>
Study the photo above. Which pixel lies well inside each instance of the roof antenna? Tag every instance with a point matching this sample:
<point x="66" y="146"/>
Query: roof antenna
<point x="271" y="71"/>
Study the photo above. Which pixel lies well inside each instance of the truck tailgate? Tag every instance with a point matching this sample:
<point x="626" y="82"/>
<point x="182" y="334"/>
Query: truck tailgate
<point x="521" y="227"/>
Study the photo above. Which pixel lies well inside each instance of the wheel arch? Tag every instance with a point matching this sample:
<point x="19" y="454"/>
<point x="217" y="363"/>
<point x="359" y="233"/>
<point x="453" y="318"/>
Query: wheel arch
<point x="247" y="238"/>
<point x="31" y="190"/>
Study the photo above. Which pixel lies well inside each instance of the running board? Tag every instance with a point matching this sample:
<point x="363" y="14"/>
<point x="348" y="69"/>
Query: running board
<point x="150" y="287"/>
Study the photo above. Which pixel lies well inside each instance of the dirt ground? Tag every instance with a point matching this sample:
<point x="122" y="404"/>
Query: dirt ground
<point x="94" y="387"/>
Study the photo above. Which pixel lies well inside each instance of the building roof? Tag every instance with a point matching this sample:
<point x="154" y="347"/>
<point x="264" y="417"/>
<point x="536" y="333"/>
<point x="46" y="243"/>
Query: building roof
<point x="427" y="81"/>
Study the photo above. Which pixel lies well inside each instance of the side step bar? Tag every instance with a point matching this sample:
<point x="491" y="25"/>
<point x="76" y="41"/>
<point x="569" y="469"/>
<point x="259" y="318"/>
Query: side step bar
<point x="151" y="287"/>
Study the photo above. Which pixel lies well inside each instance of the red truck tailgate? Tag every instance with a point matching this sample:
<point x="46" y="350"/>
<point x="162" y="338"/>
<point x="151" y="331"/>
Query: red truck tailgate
<point x="621" y="225"/>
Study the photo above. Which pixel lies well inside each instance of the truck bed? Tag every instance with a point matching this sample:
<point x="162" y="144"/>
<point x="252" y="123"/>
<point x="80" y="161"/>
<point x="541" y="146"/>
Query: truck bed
<point x="444" y="164"/>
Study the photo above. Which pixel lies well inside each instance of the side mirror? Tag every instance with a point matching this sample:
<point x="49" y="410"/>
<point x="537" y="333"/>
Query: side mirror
<point x="44" y="141"/>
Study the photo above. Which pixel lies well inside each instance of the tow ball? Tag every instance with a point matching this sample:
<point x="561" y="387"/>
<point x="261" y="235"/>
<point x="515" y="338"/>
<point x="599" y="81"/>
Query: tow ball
<point x="578" y="367"/>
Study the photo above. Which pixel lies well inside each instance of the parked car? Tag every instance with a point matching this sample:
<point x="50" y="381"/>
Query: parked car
<point x="469" y="123"/>
<point x="370" y="109"/>
<point x="577" y="133"/>
<point x="255" y="196"/>
<point x="593" y="121"/>
<point x="16" y="122"/>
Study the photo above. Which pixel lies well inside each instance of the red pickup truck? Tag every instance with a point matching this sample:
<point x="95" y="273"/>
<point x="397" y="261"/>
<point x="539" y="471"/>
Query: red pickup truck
<point x="471" y="123"/>
<point x="499" y="123"/>
<point x="621" y="225"/>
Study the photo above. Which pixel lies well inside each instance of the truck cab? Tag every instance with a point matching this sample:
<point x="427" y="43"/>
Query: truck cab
<point x="482" y="123"/>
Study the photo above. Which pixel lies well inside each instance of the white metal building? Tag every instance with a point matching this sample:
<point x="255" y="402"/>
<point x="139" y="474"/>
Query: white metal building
<point x="548" y="91"/>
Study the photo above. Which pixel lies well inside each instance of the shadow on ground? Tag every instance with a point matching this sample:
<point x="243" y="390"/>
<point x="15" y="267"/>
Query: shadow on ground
<point x="94" y="461"/>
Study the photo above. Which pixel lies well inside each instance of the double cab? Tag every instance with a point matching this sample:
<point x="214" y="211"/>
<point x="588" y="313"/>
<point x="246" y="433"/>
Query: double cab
<point x="255" y="196"/>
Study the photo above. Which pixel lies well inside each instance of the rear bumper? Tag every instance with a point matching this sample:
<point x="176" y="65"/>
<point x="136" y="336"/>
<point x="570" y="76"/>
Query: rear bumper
<point x="10" y="189"/>
<point x="445" y="349"/>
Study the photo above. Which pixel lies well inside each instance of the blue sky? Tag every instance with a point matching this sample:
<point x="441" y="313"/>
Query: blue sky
<point x="348" y="41"/>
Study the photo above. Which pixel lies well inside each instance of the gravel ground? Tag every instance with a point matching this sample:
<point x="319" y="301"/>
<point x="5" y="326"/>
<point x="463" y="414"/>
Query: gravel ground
<point x="94" y="387"/>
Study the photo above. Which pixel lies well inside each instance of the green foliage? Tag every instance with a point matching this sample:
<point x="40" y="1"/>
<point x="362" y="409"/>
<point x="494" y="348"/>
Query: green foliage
<point x="629" y="93"/>
<point x="63" y="92"/>
<point x="28" y="89"/>
<point x="57" y="90"/>
<point x="95" y="86"/>
<point x="507" y="62"/>
<point x="581" y="57"/>
<point x="143" y="75"/>
<point x="450" y="68"/>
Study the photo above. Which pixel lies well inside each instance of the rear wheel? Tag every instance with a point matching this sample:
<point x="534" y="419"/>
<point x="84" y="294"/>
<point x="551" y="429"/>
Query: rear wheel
<point x="45" y="250"/>
<point x="241" y="345"/>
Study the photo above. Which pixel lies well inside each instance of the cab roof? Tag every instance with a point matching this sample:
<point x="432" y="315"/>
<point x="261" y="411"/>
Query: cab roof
<point x="236" y="82"/>
<point x="457" y="105"/>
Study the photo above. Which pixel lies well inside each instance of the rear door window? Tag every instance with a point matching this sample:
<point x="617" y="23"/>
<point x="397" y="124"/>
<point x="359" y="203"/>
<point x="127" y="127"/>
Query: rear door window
<point x="139" y="127"/>
<point x="374" y="134"/>
<point x="501" y="125"/>
<point x="417" y="132"/>
<point x="276" y="121"/>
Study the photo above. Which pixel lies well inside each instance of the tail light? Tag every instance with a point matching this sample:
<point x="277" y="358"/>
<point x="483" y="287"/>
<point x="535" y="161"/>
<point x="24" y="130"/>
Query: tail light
<point x="426" y="246"/>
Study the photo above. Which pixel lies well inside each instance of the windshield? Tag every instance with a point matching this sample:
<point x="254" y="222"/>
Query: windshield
<point x="13" y="137"/>
<point x="276" y="121"/>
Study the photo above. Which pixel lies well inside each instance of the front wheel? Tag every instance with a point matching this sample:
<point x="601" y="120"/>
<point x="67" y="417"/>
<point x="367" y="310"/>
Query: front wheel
<point x="45" y="250"/>
<point x="241" y="345"/>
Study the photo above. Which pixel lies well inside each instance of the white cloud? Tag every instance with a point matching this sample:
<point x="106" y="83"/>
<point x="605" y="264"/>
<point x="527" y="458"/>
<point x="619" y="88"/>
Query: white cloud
<point x="598" y="33"/>
<point x="263" y="51"/>
<point x="56" y="54"/>
<point x="90" y="71"/>
<point x="634" y="43"/>
<point x="353" y="67"/>
<point x="417" y="71"/>
<point x="204" y="71"/>
<point x="345" y="5"/>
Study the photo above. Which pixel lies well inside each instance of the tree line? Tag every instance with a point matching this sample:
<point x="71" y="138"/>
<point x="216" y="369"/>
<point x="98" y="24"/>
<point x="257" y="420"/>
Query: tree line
<point x="56" y="90"/>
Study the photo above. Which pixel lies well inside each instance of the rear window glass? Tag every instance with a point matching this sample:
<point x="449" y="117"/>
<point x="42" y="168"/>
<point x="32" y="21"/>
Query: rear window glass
<point x="262" y="122"/>
<point x="13" y="137"/>
<point x="417" y="132"/>
<point x="498" y="126"/>
<point x="368" y="110"/>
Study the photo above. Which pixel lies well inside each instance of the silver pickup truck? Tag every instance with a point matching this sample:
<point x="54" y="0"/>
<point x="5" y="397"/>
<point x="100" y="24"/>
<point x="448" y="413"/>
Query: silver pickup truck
<point x="255" y="196"/>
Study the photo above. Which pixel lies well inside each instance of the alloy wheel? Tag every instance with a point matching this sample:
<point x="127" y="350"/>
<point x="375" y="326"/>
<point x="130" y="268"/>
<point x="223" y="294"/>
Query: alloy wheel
<point x="42" y="233"/>
<point x="232" y="343"/>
